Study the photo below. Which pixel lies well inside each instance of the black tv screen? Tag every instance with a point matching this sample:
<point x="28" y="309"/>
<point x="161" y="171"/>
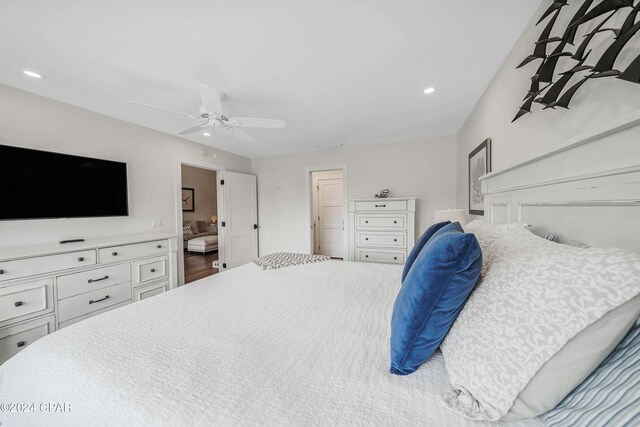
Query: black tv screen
<point x="39" y="184"/>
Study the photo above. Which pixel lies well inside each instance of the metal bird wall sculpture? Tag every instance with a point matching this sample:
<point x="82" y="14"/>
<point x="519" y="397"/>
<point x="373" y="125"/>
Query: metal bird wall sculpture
<point x="632" y="73"/>
<point x="554" y="93"/>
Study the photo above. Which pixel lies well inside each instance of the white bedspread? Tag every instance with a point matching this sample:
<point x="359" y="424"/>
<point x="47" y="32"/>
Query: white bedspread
<point x="305" y="345"/>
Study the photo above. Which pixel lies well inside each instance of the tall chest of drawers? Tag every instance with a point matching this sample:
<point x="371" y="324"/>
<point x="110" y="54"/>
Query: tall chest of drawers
<point x="381" y="230"/>
<point x="46" y="288"/>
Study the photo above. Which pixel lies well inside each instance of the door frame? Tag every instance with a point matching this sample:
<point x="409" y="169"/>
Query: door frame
<point x="345" y="204"/>
<point x="177" y="169"/>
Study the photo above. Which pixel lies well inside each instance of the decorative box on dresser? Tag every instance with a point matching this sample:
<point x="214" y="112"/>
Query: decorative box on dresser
<point x="381" y="230"/>
<point x="47" y="287"/>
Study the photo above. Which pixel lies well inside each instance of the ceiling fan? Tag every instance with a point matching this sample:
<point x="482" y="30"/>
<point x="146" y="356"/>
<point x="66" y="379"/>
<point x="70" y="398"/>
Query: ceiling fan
<point x="211" y="117"/>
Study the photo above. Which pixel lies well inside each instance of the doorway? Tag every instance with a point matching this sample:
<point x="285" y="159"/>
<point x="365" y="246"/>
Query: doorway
<point x="199" y="222"/>
<point x="327" y="213"/>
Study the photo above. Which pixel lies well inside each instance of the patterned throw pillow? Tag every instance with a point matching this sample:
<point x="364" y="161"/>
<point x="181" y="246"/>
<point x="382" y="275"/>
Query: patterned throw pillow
<point x="287" y="259"/>
<point x="610" y="396"/>
<point x="187" y="230"/>
<point x="553" y="238"/>
<point x="534" y="297"/>
<point x="549" y="236"/>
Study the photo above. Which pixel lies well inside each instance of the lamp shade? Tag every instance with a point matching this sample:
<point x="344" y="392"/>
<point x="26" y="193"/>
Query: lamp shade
<point x="453" y="215"/>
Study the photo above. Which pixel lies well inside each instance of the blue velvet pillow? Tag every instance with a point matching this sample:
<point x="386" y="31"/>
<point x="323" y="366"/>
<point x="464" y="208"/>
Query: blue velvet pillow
<point x="419" y="245"/>
<point x="432" y="295"/>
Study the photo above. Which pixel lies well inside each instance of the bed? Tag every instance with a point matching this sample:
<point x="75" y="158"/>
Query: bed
<point x="303" y="345"/>
<point x="306" y="345"/>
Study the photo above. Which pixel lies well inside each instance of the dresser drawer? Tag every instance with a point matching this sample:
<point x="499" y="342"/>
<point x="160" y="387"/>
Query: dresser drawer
<point x="381" y="257"/>
<point x="373" y="222"/>
<point x="148" y="291"/>
<point x="382" y="205"/>
<point x="45" y="264"/>
<point x="16" y="338"/>
<point x="79" y="283"/>
<point x="149" y="269"/>
<point x="26" y="300"/>
<point x="125" y="252"/>
<point x="93" y="301"/>
<point x="389" y="240"/>
<point x="95" y="313"/>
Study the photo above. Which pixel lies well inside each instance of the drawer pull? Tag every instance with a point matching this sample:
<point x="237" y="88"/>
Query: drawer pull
<point x="395" y="258"/>
<point x="81" y="259"/>
<point x="366" y="222"/>
<point x="395" y="222"/>
<point x="98" y="300"/>
<point x="366" y="238"/>
<point x="395" y="240"/>
<point x="19" y="303"/>
<point x="22" y="343"/>
<point x="2" y="271"/>
<point x="381" y="206"/>
<point x="114" y="253"/>
<point x="159" y="246"/>
<point x="366" y="256"/>
<point x="98" y="280"/>
<point x="153" y="270"/>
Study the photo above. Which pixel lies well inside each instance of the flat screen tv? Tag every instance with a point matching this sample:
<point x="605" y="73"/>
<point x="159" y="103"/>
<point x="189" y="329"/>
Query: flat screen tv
<point x="39" y="184"/>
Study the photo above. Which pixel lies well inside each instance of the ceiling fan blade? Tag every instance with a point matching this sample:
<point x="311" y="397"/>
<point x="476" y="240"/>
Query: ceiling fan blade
<point x="159" y="108"/>
<point x="255" y="122"/>
<point x="193" y="129"/>
<point x="210" y="99"/>
<point x="240" y="134"/>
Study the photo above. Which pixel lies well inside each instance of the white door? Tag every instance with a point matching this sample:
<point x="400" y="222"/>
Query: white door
<point x="330" y="217"/>
<point x="238" y="226"/>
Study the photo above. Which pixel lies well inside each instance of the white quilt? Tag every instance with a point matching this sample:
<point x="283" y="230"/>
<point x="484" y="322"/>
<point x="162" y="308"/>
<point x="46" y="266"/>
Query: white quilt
<point x="305" y="345"/>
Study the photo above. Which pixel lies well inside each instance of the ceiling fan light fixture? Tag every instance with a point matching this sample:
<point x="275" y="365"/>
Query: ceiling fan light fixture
<point x="210" y="116"/>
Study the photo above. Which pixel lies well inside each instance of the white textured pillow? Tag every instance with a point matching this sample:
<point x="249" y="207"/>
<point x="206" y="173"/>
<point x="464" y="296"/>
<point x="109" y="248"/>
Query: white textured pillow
<point x="534" y="296"/>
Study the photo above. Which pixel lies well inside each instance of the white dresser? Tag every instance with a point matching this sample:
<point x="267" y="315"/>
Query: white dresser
<point x="43" y="288"/>
<point x="381" y="230"/>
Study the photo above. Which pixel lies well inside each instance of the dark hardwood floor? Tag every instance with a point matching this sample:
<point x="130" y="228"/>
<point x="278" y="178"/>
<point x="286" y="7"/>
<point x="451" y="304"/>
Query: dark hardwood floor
<point x="198" y="266"/>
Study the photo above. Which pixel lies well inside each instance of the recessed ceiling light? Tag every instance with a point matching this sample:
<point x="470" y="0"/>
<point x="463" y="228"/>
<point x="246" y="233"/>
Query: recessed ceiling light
<point x="32" y="74"/>
<point x="206" y="134"/>
<point x="429" y="90"/>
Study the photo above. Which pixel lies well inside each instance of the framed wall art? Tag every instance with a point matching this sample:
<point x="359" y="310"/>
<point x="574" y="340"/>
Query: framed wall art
<point x="479" y="164"/>
<point x="188" y="200"/>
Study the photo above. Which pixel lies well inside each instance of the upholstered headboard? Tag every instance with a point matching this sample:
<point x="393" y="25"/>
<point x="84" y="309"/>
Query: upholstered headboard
<point x="586" y="189"/>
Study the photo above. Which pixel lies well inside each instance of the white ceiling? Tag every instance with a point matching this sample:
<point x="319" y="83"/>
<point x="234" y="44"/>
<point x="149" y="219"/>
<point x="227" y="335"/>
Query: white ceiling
<point x="338" y="71"/>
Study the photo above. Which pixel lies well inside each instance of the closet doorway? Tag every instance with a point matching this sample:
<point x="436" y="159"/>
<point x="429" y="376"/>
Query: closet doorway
<point x="328" y="213"/>
<point x="199" y="222"/>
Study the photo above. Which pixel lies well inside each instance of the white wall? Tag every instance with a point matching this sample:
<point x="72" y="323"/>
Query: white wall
<point x="153" y="160"/>
<point x="205" y="189"/>
<point x="599" y="101"/>
<point x="425" y="169"/>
